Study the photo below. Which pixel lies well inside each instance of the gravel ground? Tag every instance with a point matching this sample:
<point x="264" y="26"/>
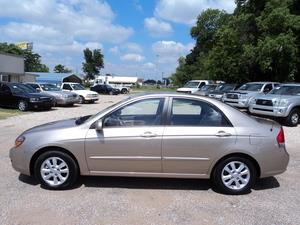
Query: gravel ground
<point x="112" y="200"/>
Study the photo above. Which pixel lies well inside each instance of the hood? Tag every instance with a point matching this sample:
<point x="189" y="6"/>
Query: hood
<point x="187" y="89"/>
<point x="56" y="125"/>
<point x="85" y="92"/>
<point x="32" y="95"/>
<point x="59" y="93"/>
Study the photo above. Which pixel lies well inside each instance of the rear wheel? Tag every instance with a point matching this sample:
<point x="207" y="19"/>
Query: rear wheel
<point x="293" y="118"/>
<point x="22" y="105"/>
<point x="56" y="170"/>
<point x="124" y="91"/>
<point x="234" y="175"/>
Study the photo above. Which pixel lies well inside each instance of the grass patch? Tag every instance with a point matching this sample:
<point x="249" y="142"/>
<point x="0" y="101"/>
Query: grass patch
<point x="5" y="113"/>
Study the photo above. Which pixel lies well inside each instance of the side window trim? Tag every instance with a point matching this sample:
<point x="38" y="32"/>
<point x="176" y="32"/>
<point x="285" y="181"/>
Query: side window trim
<point x="164" y="112"/>
<point x="169" y="112"/>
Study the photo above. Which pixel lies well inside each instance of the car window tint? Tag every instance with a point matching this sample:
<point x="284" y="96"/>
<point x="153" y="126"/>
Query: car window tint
<point x="142" y="113"/>
<point x="268" y="88"/>
<point x="67" y="87"/>
<point x="188" y="112"/>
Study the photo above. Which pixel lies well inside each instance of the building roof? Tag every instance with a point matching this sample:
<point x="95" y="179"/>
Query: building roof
<point x="51" y="77"/>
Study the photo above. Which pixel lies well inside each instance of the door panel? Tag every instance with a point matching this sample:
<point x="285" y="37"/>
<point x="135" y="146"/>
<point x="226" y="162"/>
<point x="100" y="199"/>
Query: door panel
<point x="125" y="149"/>
<point x="192" y="149"/>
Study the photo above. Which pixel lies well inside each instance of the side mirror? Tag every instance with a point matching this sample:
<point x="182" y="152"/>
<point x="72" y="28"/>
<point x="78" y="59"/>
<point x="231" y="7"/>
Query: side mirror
<point x="99" y="125"/>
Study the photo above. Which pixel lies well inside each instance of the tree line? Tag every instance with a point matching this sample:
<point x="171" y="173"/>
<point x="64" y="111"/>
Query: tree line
<point x="259" y="41"/>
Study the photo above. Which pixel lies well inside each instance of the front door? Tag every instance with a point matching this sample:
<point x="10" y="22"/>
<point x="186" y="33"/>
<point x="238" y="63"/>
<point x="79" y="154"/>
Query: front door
<point x="130" y="140"/>
<point x="196" y="133"/>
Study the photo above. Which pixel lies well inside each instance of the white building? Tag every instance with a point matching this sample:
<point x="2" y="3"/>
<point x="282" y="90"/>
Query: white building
<point x="12" y="69"/>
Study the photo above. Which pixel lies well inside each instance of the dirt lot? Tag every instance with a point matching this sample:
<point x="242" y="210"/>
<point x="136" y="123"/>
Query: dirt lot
<point x="112" y="200"/>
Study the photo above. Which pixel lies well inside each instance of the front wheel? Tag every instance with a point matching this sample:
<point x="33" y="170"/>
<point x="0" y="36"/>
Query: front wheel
<point x="293" y="118"/>
<point x="234" y="175"/>
<point x="22" y="105"/>
<point x="56" y="170"/>
<point x="81" y="100"/>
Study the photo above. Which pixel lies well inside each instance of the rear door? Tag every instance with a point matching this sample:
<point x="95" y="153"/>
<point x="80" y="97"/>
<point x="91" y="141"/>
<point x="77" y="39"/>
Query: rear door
<point x="195" y="134"/>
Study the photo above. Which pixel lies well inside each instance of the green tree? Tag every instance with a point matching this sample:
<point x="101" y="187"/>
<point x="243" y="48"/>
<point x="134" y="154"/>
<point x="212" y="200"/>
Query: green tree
<point x="93" y="62"/>
<point x="61" y="69"/>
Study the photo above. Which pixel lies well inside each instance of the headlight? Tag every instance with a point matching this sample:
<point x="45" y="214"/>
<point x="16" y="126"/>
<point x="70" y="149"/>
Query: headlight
<point x="283" y="103"/>
<point x="19" y="141"/>
<point x="252" y="100"/>
<point x="34" y="99"/>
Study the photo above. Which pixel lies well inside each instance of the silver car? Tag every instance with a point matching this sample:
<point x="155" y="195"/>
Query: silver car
<point x="61" y="97"/>
<point x="282" y="102"/>
<point x="241" y="97"/>
<point x="155" y="135"/>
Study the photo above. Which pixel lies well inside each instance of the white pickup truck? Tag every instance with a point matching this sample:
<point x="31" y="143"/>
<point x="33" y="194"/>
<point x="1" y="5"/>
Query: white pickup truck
<point x="84" y="95"/>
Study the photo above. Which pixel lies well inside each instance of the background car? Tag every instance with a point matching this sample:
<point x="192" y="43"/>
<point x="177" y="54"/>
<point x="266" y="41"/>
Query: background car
<point x="222" y="89"/>
<point x="282" y="102"/>
<point x="84" y="95"/>
<point x="123" y="89"/>
<point x="105" y="89"/>
<point x="206" y="89"/>
<point x="241" y="97"/>
<point x="61" y="97"/>
<point x="17" y="95"/>
<point x="155" y="135"/>
<point x="193" y="86"/>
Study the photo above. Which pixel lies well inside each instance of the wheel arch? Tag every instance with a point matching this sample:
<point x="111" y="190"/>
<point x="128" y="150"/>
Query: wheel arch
<point x="237" y="154"/>
<point x="47" y="149"/>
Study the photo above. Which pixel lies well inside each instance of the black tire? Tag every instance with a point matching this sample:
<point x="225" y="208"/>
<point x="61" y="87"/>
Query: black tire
<point x="72" y="176"/>
<point x="110" y="93"/>
<point x="124" y="91"/>
<point x="23" y="105"/>
<point x="218" y="172"/>
<point x="81" y="100"/>
<point x="293" y="118"/>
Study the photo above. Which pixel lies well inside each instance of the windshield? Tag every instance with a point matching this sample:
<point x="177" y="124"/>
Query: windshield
<point x="191" y="84"/>
<point x="49" y="87"/>
<point x="21" y="88"/>
<point x="251" y="87"/>
<point x="77" y="87"/>
<point x="208" y="87"/>
<point x="225" y="87"/>
<point x="286" y="90"/>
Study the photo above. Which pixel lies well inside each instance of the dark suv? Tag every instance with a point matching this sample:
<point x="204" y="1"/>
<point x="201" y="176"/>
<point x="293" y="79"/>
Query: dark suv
<point x="23" y="97"/>
<point x="105" y="89"/>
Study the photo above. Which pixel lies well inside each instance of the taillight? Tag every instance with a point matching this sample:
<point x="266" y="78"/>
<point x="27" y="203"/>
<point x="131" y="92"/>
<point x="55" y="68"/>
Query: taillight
<point x="280" y="137"/>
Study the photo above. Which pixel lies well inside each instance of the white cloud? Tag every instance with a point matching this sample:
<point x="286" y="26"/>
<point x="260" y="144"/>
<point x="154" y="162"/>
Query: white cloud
<point x="186" y="12"/>
<point x="149" y="65"/>
<point x="114" y="50"/>
<point x="157" y="28"/>
<point x="60" y="28"/>
<point x="132" y="57"/>
<point x="133" y="47"/>
<point x="167" y="54"/>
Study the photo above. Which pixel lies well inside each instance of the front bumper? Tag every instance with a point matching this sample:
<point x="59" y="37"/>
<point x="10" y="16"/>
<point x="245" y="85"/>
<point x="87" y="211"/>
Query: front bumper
<point x="19" y="161"/>
<point x="268" y="110"/>
<point x="41" y="104"/>
<point x="67" y="101"/>
<point x="239" y="103"/>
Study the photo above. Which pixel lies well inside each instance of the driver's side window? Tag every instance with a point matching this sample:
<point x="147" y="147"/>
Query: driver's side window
<point x="141" y="113"/>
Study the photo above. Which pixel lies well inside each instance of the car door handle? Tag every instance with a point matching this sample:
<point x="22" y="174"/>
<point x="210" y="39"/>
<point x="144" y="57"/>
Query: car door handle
<point x="148" y="134"/>
<point x="222" y="134"/>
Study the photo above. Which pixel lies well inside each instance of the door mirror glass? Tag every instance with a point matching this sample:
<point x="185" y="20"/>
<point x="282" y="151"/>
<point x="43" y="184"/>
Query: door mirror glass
<point x="99" y="125"/>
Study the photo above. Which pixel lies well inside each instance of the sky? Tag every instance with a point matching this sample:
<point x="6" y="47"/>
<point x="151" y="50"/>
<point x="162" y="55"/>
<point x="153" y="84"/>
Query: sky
<point x="141" y="38"/>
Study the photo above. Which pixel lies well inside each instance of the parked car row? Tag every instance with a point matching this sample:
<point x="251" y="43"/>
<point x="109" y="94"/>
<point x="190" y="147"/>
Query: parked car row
<point x="270" y="99"/>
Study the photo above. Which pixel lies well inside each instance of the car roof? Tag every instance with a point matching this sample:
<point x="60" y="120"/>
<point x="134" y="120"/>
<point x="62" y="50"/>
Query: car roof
<point x="262" y="82"/>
